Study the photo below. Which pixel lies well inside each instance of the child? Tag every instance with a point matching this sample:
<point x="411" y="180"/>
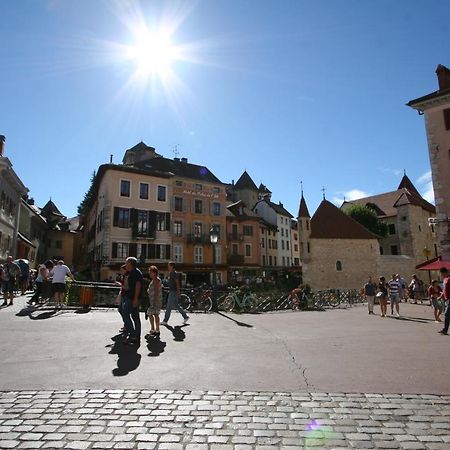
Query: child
<point x="434" y="292"/>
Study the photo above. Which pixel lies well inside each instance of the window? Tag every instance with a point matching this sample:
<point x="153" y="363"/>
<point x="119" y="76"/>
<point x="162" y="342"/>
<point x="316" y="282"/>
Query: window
<point x="125" y="188"/>
<point x="295" y="248"/>
<point x="142" y="222"/>
<point x="178" y="204"/>
<point x="282" y="246"/>
<point x="381" y="250"/>
<point x="274" y="260"/>
<point x="234" y="249"/>
<point x="270" y="243"/>
<point x="287" y="245"/>
<point x="216" y="209"/>
<point x="161" y="222"/>
<point x="198" y="207"/>
<point x="282" y="232"/>
<point x="218" y="254"/>
<point x="420" y="228"/>
<point x="248" y="230"/>
<point x="270" y="260"/>
<point x="264" y="260"/>
<point x="178" y="253"/>
<point x="391" y="228"/>
<point x="178" y="228"/>
<point x="447" y="118"/>
<point x="295" y="237"/>
<point x="339" y="266"/>
<point x="309" y="247"/>
<point x="161" y="251"/>
<point x="197" y="229"/>
<point x="143" y="191"/>
<point x="262" y="242"/>
<point x="216" y="189"/>
<point x="161" y="193"/>
<point x="394" y="250"/>
<point x="248" y="250"/>
<point x="178" y="183"/>
<point x="283" y="261"/>
<point x="122" y="250"/>
<point x="122" y="217"/>
<point x="58" y="244"/>
<point x="198" y="255"/>
<point x="199" y="187"/>
<point x="234" y="230"/>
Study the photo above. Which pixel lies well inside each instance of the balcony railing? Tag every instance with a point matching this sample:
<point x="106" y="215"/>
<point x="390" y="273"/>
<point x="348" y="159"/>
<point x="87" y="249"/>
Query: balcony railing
<point x="235" y="259"/>
<point x="235" y="237"/>
<point x="195" y="239"/>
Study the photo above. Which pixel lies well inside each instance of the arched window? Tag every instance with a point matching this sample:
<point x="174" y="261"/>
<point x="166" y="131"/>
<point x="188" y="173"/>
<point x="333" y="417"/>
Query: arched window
<point x="339" y="266"/>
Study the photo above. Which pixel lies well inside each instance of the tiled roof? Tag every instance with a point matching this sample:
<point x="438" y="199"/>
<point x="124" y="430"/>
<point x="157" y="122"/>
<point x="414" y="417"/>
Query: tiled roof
<point x="407" y="184"/>
<point x="329" y="222"/>
<point x="245" y="182"/>
<point x="303" y="209"/>
<point x="263" y="189"/>
<point x="179" y="168"/>
<point x="51" y="209"/>
<point x="235" y="210"/>
<point x="432" y="96"/>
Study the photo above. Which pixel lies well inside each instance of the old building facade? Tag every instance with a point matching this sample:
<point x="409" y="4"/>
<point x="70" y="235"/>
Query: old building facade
<point x="436" y="110"/>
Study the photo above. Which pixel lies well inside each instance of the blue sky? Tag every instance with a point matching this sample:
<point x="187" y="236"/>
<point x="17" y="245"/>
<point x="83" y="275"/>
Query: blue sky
<point x="288" y="90"/>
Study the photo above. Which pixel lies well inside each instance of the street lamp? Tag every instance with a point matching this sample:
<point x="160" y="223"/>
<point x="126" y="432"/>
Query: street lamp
<point x="213" y="238"/>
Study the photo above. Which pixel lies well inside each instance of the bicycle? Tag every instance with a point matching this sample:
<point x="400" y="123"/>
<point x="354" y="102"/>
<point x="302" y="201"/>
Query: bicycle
<point x="200" y="299"/>
<point x="247" y="303"/>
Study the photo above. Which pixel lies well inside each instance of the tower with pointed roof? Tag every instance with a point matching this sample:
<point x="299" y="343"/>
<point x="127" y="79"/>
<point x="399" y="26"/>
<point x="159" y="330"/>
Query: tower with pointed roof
<point x="246" y="190"/>
<point x="304" y="229"/>
<point x="436" y="109"/>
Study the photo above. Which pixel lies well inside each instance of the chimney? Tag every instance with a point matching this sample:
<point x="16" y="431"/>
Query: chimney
<point x="176" y="159"/>
<point x="30" y="201"/>
<point x="2" y="144"/>
<point x="184" y="160"/>
<point x="443" y="75"/>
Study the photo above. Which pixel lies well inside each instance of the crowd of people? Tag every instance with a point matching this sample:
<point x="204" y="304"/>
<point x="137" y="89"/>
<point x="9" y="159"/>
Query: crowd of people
<point x="49" y="280"/>
<point x="131" y="286"/>
<point x="396" y="290"/>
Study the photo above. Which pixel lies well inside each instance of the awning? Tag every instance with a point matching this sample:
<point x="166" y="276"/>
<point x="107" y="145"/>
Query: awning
<point x="24" y="239"/>
<point x="434" y="264"/>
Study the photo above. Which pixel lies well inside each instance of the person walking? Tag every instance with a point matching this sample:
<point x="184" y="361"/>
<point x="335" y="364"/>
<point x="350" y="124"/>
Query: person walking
<point x="415" y="287"/>
<point x="42" y="276"/>
<point x="130" y="302"/>
<point x="122" y="281"/>
<point x="445" y="295"/>
<point x="394" y="294"/>
<point x="403" y="288"/>
<point x="434" y="293"/>
<point x="24" y="276"/>
<point x="11" y="273"/>
<point x="59" y="273"/>
<point x="174" y="295"/>
<point x="382" y="294"/>
<point x="369" y="293"/>
<point x="155" y="301"/>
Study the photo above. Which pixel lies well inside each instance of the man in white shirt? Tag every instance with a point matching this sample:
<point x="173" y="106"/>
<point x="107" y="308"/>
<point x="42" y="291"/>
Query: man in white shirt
<point x="59" y="273"/>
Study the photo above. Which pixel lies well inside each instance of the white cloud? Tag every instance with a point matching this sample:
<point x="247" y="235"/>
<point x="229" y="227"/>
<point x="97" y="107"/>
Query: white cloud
<point x="426" y="186"/>
<point x="396" y="172"/>
<point x="352" y="194"/>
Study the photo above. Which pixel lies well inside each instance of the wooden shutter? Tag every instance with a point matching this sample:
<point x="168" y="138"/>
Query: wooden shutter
<point x="116" y="217"/>
<point x="114" y="250"/>
<point x="168" y="251"/>
<point x="133" y="221"/>
<point x="132" y="250"/>
<point x="151" y="230"/>
<point x="167" y="221"/>
<point x="144" y="251"/>
<point x="151" y="248"/>
<point x="447" y="118"/>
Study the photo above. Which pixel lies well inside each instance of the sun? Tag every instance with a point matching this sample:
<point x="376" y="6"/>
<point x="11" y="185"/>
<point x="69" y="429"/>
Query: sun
<point x="153" y="53"/>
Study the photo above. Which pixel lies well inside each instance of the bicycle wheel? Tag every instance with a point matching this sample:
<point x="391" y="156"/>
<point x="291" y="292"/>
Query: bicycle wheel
<point x="228" y="303"/>
<point x="185" y="302"/>
<point x="207" y="304"/>
<point x="334" y="301"/>
<point x="250" y="302"/>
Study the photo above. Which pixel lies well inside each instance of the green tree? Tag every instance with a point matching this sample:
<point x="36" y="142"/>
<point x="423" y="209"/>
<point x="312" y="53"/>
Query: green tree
<point x="88" y="197"/>
<point x="368" y="218"/>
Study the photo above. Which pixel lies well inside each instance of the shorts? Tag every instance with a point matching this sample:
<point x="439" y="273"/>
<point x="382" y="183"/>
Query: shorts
<point x="438" y="304"/>
<point x="8" y="286"/>
<point x="395" y="298"/>
<point x="59" y="287"/>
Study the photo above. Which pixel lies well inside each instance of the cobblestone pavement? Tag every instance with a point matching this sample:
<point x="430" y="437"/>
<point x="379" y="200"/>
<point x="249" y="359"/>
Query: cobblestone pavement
<point x="147" y="419"/>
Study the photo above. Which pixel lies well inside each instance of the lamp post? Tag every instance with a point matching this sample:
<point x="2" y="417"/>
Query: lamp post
<point x="213" y="238"/>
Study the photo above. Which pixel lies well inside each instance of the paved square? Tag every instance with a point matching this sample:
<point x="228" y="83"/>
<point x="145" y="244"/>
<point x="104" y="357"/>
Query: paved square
<point x="334" y="379"/>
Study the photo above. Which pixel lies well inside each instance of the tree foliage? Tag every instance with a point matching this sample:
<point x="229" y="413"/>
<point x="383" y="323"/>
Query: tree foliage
<point x="368" y="218"/>
<point x="88" y="197"/>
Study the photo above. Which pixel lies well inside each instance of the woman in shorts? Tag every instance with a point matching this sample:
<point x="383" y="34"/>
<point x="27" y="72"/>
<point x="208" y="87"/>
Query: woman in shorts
<point x="434" y="292"/>
<point x="382" y="293"/>
<point x="155" y="301"/>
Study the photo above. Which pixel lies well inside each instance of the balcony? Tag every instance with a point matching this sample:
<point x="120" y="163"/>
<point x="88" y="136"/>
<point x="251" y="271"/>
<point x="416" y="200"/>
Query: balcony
<point x="195" y="239"/>
<point x="235" y="259"/>
<point x="235" y="237"/>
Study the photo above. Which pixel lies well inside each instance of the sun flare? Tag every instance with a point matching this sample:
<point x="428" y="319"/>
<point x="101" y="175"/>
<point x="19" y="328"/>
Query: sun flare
<point x="153" y="53"/>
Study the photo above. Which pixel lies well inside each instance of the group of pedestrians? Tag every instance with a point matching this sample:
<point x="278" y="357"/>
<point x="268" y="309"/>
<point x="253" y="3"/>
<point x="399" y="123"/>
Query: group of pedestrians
<point x="395" y="290"/>
<point x="131" y="292"/>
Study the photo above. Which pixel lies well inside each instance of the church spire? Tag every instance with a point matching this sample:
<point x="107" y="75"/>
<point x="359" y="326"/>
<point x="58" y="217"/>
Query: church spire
<point x="406" y="183"/>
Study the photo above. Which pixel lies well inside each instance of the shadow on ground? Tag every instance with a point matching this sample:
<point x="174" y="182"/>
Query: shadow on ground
<point x="128" y="356"/>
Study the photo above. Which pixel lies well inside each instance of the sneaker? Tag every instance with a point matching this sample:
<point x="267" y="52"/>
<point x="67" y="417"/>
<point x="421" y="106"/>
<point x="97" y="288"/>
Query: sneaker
<point x="185" y="321"/>
<point x="163" y="323"/>
<point x="397" y="315"/>
<point x="443" y="332"/>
